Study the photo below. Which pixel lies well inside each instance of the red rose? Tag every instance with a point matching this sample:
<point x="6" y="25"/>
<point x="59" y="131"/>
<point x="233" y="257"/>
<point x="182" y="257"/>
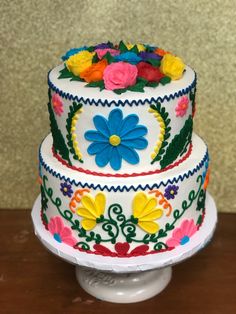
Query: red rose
<point x="149" y="72"/>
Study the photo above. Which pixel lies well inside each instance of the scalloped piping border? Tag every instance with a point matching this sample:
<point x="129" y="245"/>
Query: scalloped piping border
<point x="105" y="102"/>
<point x="123" y="175"/>
<point x="124" y="187"/>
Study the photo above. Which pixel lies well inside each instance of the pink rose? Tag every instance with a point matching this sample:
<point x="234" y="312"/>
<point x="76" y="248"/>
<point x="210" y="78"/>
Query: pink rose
<point x="119" y="75"/>
<point x="182" y="107"/>
<point x="101" y="52"/>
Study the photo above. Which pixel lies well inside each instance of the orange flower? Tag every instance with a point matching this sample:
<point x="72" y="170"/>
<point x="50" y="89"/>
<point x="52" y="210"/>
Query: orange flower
<point x="160" y="52"/>
<point x="207" y="178"/>
<point x="94" y="73"/>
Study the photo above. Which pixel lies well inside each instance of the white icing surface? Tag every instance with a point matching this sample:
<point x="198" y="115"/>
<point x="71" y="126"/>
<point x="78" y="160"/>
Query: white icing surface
<point x="123" y="190"/>
<point x="78" y="88"/>
<point x="198" y="152"/>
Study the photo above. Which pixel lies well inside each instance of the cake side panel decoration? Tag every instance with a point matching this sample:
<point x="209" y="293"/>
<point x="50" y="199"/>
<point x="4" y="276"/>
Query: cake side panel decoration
<point x="125" y="220"/>
<point x="162" y="126"/>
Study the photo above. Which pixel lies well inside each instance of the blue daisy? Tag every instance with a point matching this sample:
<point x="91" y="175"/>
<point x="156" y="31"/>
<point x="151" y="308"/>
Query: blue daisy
<point x="116" y="138"/>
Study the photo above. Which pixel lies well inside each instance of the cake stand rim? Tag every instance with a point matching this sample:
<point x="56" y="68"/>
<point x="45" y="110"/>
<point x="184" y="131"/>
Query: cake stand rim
<point x="130" y="264"/>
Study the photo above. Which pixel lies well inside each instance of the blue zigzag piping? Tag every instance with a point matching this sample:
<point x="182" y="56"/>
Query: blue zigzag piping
<point x="124" y="188"/>
<point x="120" y="102"/>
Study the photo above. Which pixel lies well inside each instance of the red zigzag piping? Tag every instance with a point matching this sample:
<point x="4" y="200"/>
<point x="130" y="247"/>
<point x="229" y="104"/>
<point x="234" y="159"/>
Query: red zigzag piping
<point x="123" y="175"/>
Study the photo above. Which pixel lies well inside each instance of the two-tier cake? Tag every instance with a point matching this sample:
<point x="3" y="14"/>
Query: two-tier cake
<point x="122" y="174"/>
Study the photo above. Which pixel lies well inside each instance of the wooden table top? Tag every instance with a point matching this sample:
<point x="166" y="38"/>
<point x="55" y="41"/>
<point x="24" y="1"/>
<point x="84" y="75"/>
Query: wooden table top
<point x="32" y="280"/>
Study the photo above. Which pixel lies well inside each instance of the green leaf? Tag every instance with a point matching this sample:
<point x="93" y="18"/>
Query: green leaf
<point x="120" y="91"/>
<point x="95" y="84"/>
<point x="154" y="62"/>
<point x="95" y="58"/>
<point x="165" y="80"/>
<point x="64" y="73"/>
<point x="178" y="144"/>
<point x="58" y="139"/>
<point x="90" y="49"/>
<point x="122" y="47"/>
<point x="109" y="58"/>
<point x="152" y="84"/>
<point x="134" y="49"/>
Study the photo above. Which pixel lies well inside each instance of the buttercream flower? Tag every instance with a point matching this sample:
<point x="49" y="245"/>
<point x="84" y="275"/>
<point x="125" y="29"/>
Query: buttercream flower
<point x="161" y="52"/>
<point x="182" y="235"/>
<point x="149" y="55"/>
<point x="182" y="106"/>
<point x="140" y="47"/>
<point x="145" y="211"/>
<point x="94" y="73"/>
<point x="72" y="52"/>
<point x="66" y="189"/>
<point x="116" y="139"/>
<point x="57" y="104"/>
<point x="119" y="75"/>
<point x="61" y="233"/>
<point x="172" y="66"/>
<point x="92" y="209"/>
<point x="171" y="191"/>
<point x="79" y="62"/>
<point x="149" y="72"/>
<point x="129" y="56"/>
<point x="101" y="52"/>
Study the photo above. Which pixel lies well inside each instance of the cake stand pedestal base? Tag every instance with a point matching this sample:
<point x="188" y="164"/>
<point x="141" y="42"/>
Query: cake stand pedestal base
<point x="123" y="287"/>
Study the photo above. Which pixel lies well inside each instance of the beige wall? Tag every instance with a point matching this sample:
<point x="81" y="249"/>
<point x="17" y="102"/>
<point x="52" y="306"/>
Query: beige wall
<point x="34" y="34"/>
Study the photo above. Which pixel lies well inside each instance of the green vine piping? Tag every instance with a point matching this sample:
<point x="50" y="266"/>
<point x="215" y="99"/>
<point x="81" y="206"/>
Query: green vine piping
<point x="72" y="111"/>
<point x="179" y="144"/>
<point x="58" y="140"/>
<point x="164" y="115"/>
<point x="192" y="97"/>
<point x="116" y="221"/>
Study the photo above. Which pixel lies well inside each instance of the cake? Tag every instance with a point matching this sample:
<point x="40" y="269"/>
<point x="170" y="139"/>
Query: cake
<point x="122" y="174"/>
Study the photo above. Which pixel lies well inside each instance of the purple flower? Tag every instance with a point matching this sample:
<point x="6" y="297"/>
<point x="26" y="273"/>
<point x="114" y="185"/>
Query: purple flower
<point x="171" y="191"/>
<point x="103" y="46"/>
<point x="149" y="55"/>
<point x="66" y="189"/>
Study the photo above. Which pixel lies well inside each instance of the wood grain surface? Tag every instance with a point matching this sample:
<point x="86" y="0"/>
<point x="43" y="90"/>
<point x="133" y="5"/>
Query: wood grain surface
<point x="32" y="280"/>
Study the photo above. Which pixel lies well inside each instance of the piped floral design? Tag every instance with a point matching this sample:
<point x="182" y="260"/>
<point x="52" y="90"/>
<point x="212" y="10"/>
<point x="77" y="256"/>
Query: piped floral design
<point x="182" y="107"/>
<point x="116" y="138"/>
<point x="182" y="235"/>
<point x="66" y="189"/>
<point x="57" y="104"/>
<point x="92" y="210"/>
<point x="171" y="191"/>
<point x="163" y="65"/>
<point x="145" y="211"/>
<point x="61" y="233"/>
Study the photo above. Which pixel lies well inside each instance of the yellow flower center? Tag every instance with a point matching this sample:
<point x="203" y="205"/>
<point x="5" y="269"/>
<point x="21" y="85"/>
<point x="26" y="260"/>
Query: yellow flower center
<point x="114" y="140"/>
<point x="172" y="192"/>
<point x="65" y="189"/>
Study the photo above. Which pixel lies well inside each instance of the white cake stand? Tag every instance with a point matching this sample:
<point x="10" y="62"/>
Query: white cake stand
<point x="126" y="280"/>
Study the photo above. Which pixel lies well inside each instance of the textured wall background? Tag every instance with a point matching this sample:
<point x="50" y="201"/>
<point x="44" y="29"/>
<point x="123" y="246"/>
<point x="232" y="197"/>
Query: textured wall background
<point x="34" y="34"/>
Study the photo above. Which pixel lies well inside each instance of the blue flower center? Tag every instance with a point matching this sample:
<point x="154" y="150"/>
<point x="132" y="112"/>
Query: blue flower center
<point x="114" y="140"/>
<point x="184" y="240"/>
<point x="57" y="237"/>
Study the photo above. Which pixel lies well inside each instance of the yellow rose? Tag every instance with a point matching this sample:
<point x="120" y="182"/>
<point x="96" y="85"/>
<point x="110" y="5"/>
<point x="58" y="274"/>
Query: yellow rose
<point x="80" y="62"/>
<point x="172" y="66"/>
<point x="139" y="46"/>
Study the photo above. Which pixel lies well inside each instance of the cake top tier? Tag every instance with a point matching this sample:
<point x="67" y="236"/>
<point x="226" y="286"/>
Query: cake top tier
<point x="120" y="68"/>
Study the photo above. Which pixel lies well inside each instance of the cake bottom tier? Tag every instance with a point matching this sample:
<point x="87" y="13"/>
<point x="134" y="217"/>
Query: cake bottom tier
<point x="124" y="217"/>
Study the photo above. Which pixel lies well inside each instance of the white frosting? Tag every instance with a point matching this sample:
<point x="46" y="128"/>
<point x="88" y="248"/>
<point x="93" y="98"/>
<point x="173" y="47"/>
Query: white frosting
<point x="78" y="89"/>
<point x="92" y="107"/>
<point x="123" y="190"/>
